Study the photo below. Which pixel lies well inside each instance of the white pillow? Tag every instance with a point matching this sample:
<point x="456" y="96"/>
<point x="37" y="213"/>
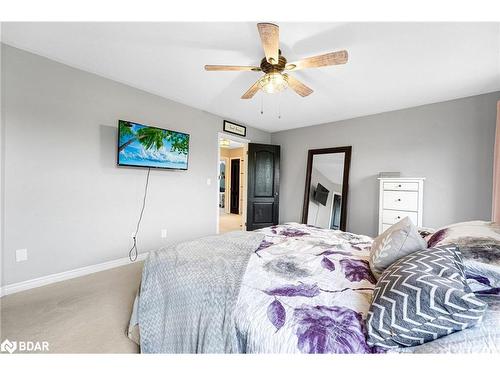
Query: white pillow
<point x="396" y="242"/>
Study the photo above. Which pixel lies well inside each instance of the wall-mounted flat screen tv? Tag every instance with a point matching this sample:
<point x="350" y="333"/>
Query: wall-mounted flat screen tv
<point x="321" y="194"/>
<point x="151" y="147"/>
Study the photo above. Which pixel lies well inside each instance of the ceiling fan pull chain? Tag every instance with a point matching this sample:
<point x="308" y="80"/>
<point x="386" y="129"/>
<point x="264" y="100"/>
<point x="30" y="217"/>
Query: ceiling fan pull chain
<point x="279" y="106"/>
<point x="261" y="104"/>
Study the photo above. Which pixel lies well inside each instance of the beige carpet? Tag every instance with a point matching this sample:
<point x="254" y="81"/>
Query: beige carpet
<point x="88" y="314"/>
<point x="229" y="222"/>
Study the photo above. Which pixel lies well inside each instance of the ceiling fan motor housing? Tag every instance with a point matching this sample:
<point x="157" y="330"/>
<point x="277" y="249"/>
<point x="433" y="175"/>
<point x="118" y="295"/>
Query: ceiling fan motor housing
<point x="273" y="68"/>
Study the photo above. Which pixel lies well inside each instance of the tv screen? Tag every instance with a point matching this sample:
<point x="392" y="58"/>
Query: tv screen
<point x="150" y="147"/>
<point x="321" y="194"/>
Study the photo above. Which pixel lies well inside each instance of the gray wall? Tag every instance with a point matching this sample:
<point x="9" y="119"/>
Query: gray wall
<point x="449" y="143"/>
<point x="66" y="201"/>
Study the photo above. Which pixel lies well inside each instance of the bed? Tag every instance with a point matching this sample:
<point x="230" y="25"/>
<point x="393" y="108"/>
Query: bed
<point x="291" y="288"/>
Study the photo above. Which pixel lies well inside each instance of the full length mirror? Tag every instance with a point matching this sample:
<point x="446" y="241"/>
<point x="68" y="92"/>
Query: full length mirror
<point x="327" y="185"/>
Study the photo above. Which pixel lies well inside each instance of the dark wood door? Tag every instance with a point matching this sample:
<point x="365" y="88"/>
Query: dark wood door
<point x="263" y="185"/>
<point x="235" y="187"/>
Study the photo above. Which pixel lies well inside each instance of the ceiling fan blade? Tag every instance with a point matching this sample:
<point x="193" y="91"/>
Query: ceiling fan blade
<point x="270" y="38"/>
<point x="251" y="91"/>
<point x="215" y="68"/>
<point x="332" y="58"/>
<point x="298" y="86"/>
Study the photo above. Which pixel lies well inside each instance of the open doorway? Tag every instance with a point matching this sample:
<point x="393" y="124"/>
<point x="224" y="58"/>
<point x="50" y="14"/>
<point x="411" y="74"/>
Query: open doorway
<point x="232" y="184"/>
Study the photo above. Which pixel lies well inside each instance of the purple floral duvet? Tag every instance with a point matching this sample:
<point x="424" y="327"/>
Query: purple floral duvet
<point x="305" y="290"/>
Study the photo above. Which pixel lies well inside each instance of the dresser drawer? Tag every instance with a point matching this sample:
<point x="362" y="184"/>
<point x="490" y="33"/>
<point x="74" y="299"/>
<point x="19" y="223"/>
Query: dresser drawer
<point x="408" y="186"/>
<point x="400" y="200"/>
<point x="393" y="216"/>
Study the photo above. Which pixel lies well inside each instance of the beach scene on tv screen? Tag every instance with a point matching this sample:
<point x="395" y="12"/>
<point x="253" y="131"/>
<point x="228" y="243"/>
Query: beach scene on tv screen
<point x="145" y="146"/>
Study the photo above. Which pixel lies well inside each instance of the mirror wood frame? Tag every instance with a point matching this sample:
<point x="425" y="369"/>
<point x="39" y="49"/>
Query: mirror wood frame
<point x="345" y="183"/>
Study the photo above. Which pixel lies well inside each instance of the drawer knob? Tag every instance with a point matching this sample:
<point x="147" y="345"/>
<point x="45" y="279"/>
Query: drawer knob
<point x="398" y="200"/>
<point x="399" y="217"/>
<point x="399" y="185"/>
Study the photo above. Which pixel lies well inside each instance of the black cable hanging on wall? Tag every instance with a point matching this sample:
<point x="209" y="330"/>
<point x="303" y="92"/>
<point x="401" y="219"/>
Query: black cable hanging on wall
<point x="133" y="252"/>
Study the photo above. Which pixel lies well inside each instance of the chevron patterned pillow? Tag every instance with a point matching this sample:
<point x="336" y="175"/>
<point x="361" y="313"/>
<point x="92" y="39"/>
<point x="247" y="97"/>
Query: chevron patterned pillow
<point x="420" y="298"/>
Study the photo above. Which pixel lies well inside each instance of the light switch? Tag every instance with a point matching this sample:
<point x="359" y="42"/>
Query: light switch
<point x="21" y="255"/>
<point x="209" y="181"/>
<point x="163" y="233"/>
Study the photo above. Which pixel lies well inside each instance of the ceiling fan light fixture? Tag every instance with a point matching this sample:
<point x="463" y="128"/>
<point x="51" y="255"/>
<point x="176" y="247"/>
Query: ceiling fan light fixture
<point x="273" y="82"/>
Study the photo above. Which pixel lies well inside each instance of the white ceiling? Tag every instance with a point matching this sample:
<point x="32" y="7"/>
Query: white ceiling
<point x="232" y="144"/>
<point x="391" y="65"/>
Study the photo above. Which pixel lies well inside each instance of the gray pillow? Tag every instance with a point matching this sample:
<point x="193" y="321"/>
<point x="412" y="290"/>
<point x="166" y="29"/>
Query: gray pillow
<point x="420" y="298"/>
<point x="396" y="242"/>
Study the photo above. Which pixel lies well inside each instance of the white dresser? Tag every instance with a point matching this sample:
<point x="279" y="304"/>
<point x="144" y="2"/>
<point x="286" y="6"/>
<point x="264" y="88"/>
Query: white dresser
<point x="400" y="197"/>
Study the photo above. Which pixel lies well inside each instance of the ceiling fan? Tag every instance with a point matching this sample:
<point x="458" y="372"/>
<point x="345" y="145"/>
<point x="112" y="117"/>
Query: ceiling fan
<point x="275" y="64"/>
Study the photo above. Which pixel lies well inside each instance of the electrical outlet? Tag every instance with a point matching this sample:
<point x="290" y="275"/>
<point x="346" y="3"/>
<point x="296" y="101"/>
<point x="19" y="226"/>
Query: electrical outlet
<point x="132" y="235"/>
<point x="21" y="255"/>
<point x="163" y="233"/>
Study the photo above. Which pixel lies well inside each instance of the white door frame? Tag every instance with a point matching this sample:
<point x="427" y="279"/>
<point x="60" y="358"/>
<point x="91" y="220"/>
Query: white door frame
<point x="245" y="143"/>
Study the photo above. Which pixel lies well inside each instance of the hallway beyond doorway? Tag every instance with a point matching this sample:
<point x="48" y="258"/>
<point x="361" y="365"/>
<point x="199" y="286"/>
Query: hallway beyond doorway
<point x="228" y="222"/>
<point x="232" y="184"/>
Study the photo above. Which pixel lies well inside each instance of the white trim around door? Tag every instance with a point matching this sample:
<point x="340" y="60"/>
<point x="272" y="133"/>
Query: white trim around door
<point x="245" y="143"/>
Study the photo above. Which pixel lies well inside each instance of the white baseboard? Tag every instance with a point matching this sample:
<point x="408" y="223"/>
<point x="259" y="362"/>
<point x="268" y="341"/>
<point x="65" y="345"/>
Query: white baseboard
<point x="66" y="275"/>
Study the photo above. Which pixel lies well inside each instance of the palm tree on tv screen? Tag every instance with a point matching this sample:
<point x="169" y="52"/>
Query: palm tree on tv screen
<point x="153" y="138"/>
